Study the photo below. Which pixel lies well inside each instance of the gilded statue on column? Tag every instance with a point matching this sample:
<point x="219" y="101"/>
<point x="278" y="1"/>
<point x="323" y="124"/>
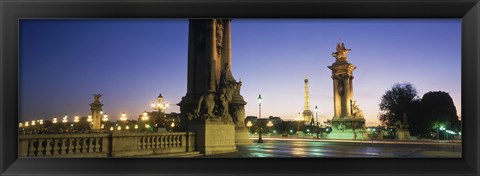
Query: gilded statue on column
<point x="341" y="53"/>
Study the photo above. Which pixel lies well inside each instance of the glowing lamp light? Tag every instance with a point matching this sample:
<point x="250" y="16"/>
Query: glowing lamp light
<point x="65" y="119"/>
<point x="124" y="117"/>
<point x="105" y="118"/>
<point x="76" y="119"/>
<point x="136" y="127"/>
<point x="111" y="128"/>
<point x="54" y="120"/>
<point x="119" y="128"/>
<point x="20" y="125"/>
<point x="89" y="118"/>
<point x="259" y="99"/>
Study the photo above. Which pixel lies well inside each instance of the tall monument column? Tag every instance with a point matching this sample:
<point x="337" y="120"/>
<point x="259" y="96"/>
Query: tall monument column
<point x="213" y="107"/>
<point x="346" y="123"/>
<point x="96" y="108"/>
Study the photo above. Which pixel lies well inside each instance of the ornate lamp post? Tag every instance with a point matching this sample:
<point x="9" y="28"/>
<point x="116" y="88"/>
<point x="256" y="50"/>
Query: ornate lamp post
<point x="90" y="121"/>
<point x="145" y="118"/>
<point x="270" y="124"/>
<point x="33" y="126"/>
<point x="76" y="120"/>
<point x="105" y="119"/>
<point x="64" y="121"/>
<point x="160" y="106"/>
<point x="123" y="118"/>
<point x="172" y="125"/>
<point x="249" y="124"/>
<point x="316" y="119"/>
<point x="259" y="99"/>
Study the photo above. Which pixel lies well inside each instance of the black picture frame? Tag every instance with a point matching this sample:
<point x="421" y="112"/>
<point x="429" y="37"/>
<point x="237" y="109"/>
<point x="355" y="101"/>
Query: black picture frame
<point x="12" y="10"/>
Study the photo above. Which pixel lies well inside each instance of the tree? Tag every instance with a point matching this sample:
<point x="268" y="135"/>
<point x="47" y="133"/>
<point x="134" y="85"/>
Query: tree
<point x="396" y="101"/>
<point x="439" y="110"/>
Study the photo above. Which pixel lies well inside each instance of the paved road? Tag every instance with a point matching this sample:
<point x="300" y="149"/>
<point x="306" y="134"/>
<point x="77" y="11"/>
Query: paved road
<point x="275" y="147"/>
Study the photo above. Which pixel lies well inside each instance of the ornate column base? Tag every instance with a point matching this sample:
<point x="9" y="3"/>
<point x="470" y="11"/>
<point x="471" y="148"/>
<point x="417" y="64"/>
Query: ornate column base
<point x="342" y="129"/>
<point x="213" y="137"/>
<point x="241" y="136"/>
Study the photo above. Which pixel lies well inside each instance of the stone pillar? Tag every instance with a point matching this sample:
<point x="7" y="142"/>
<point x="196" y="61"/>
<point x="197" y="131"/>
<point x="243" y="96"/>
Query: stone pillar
<point x="96" y="108"/>
<point x="343" y="120"/>
<point x="336" y="99"/>
<point x="208" y="108"/>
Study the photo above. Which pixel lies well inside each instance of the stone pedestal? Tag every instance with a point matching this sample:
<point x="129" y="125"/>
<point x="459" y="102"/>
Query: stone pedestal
<point x="213" y="137"/>
<point x="241" y="136"/>
<point x="342" y="129"/>
<point x="237" y="108"/>
<point x="403" y="134"/>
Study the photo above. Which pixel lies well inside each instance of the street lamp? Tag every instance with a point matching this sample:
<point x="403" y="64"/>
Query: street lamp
<point x="54" y="121"/>
<point x="76" y="120"/>
<point x="270" y="124"/>
<point x="160" y="106"/>
<point x="259" y="99"/>
<point x="105" y="118"/>
<point x="123" y="118"/>
<point x="64" y="121"/>
<point x="249" y="124"/>
<point x="33" y="126"/>
<point x="90" y="121"/>
<point x="316" y="118"/>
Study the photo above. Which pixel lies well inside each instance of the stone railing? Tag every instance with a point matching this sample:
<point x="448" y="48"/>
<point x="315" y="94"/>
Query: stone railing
<point x="144" y="144"/>
<point x="105" y="144"/>
<point x="86" y="145"/>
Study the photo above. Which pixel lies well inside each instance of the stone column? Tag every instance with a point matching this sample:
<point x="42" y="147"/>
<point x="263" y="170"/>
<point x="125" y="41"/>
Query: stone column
<point x="96" y="108"/>
<point x="203" y="107"/>
<point x="336" y="98"/>
<point x="346" y="96"/>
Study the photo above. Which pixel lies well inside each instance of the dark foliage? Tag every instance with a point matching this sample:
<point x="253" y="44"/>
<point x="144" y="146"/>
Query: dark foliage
<point x="396" y="101"/>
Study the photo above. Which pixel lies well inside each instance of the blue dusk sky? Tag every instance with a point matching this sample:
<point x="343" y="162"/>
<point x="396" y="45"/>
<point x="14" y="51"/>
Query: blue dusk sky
<point x="131" y="61"/>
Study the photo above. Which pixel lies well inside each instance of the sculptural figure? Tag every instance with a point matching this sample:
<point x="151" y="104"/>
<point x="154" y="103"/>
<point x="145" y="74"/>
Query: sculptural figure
<point x="356" y="111"/>
<point x="219" y="36"/>
<point x="96" y="97"/>
<point x="207" y="104"/>
<point x="223" y="102"/>
<point x="341" y="53"/>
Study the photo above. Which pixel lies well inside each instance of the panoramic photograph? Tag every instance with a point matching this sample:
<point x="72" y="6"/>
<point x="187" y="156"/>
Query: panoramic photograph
<point x="240" y="88"/>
